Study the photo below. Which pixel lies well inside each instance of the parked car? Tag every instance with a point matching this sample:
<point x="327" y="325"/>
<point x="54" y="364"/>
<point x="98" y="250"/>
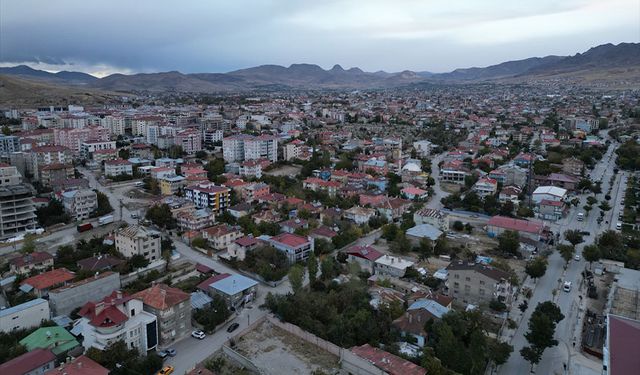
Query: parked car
<point x="577" y="257"/>
<point x="171" y="352"/>
<point x="166" y="370"/>
<point x="567" y="286"/>
<point x="233" y="327"/>
<point x="166" y="353"/>
<point x="198" y="334"/>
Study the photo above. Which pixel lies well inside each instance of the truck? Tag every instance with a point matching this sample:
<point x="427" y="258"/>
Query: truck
<point x="84" y="227"/>
<point x="104" y="220"/>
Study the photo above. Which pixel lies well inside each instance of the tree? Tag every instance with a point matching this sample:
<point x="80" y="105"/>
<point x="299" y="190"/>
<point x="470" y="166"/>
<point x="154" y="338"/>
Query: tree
<point x="212" y="316"/>
<point x="566" y="251"/>
<point x="104" y="206"/>
<point x="458" y="225"/>
<point x="401" y="244"/>
<point x="591" y="253"/>
<point x="499" y="352"/>
<point x="531" y="355"/>
<point x="604" y="206"/>
<point x="161" y="216"/>
<point x="138" y="261"/>
<point x="424" y="248"/>
<point x="53" y="213"/>
<point x="536" y="267"/>
<point x="542" y="326"/>
<point x="28" y="244"/>
<point x="296" y="276"/>
<point x="574" y="236"/>
<point x="330" y="268"/>
<point x="312" y="267"/>
<point x="509" y="242"/>
<point x="390" y="231"/>
<point x="268" y="262"/>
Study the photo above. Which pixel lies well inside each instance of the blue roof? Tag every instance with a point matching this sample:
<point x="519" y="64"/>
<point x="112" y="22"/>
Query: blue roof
<point x="425" y="231"/>
<point x="199" y="300"/>
<point x="431" y="306"/>
<point x="22" y="306"/>
<point x="233" y="284"/>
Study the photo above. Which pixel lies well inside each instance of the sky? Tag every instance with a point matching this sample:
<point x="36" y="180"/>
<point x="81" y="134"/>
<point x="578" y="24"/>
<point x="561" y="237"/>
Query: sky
<point x="102" y="37"/>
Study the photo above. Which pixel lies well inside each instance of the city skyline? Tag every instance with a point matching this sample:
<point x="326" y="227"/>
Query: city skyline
<point x="203" y="37"/>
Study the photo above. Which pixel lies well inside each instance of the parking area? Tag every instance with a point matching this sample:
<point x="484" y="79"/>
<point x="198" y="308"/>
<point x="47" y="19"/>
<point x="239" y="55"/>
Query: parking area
<point x="276" y="352"/>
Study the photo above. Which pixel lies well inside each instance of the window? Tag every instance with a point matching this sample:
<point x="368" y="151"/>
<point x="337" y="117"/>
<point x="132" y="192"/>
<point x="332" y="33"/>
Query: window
<point x="481" y="291"/>
<point x="467" y="288"/>
<point x="467" y="278"/>
<point x="481" y="282"/>
<point x="456" y="276"/>
<point x="133" y="312"/>
<point x="456" y="284"/>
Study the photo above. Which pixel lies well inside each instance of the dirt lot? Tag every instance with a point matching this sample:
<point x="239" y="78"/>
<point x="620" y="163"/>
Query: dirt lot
<point x="277" y="352"/>
<point x="287" y="170"/>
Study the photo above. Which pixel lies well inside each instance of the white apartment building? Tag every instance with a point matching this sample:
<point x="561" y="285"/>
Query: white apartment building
<point x="80" y="203"/>
<point x="115" y="124"/>
<point x="117" y="167"/>
<point x="138" y="240"/>
<point x="23" y="316"/>
<point x="88" y="148"/>
<point x="117" y="317"/>
<point x="246" y="147"/>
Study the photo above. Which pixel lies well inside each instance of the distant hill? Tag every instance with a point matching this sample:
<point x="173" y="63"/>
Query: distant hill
<point x="60" y="77"/>
<point x="505" y="69"/>
<point x="604" y="64"/>
<point x="20" y="92"/>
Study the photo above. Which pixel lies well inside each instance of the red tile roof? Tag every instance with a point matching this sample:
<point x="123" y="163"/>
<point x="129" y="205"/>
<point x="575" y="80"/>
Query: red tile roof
<point x="624" y="336"/>
<point x="246" y="241"/>
<point x="161" y="296"/>
<point x="49" y="279"/>
<point x="291" y="240"/>
<point x="33" y="258"/>
<point x="105" y="313"/>
<point x="79" y="366"/>
<point x="515" y="224"/>
<point x="388" y="362"/>
<point x="27" y="362"/>
<point x="365" y="252"/>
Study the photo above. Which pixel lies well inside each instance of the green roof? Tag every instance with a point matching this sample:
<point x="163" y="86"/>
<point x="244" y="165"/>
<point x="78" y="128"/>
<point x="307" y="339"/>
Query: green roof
<point x="58" y="339"/>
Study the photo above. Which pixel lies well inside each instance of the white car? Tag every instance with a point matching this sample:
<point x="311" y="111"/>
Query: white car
<point x="198" y="334"/>
<point x="567" y="286"/>
<point x="577" y="257"/>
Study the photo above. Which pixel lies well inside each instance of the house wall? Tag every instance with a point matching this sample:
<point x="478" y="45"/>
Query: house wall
<point x="25" y="318"/>
<point x="173" y="323"/>
<point x="65" y="300"/>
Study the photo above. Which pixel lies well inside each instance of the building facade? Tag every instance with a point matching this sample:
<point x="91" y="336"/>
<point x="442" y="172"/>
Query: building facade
<point x="138" y="240"/>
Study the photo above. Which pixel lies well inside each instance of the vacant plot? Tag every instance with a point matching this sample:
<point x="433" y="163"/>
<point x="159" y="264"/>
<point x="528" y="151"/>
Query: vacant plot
<point x="285" y="170"/>
<point x="277" y="352"/>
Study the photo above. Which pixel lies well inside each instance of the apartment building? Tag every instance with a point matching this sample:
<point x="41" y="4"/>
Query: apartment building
<point x="74" y="138"/>
<point x="476" y="283"/>
<point x="17" y="213"/>
<point x="138" y="240"/>
<point x="55" y="172"/>
<point x="88" y="148"/>
<point x="117" y="317"/>
<point x="190" y="140"/>
<point x="170" y="185"/>
<point x="485" y="187"/>
<point x="80" y="203"/>
<point x="118" y="167"/>
<point x="42" y="156"/>
<point x="115" y="124"/>
<point x="209" y="195"/>
<point x="195" y="219"/>
<point x="172" y="308"/>
<point x="437" y="218"/>
<point x="246" y="147"/>
<point x="9" y="144"/>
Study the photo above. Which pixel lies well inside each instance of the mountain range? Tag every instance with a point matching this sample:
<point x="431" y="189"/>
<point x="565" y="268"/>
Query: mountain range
<point x="604" y="62"/>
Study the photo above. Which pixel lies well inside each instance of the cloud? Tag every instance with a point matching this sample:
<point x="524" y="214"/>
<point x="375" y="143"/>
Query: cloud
<point x="208" y="36"/>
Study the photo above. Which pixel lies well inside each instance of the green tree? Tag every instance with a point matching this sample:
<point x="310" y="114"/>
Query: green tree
<point x="28" y="244"/>
<point x="213" y="315"/>
<point x="312" y="267"/>
<point x="296" y="277"/>
<point x="53" y="213"/>
<point x="566" y="251"/>
<point x="104" y="206"/>
<point x="509" y="242"/>
<point x="458" y="225"/>
<point x="591" y="253"/>
<point x="536" y="267"/>
<point x="574" y="236"/>
<point x="540" y="336"/>
<point x="138" y="261"/>
<point x="401" y="244"/>
<point x="161" y="216"/>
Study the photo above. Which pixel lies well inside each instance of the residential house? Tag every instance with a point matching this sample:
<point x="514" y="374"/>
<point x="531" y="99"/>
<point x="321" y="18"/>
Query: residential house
<point x="453" y="172"/>
<point x="527" y="228"/>
<point x="55" y="338"/>
<point x="391" y="266"/>
<point x="359" y="215"/>
<point x="170" y="185"/>
<point x="318" y="184"/>
<point x="99" y="263"/>
<point x="172" y="308"/>
<point x="557" y="179"/>
<point x="485" y="187"/>
<point x="476" y="283"/>
<point x="413" y="321"/>
<point x="221" y="236"/>
<point x="195" y="220"/>
<point x="42" y="283"/>
<point x="573" y="166"/>
<point x="412" y="193"/>
<point x="239" y="210"/>
<point x="79" y="366"/>
<point x="297" y="248"/>
<point x="291" y="225"/>
<point x="138" y="240"/>
<point x="117" y="317"/>
<point x="242" y="246"/>
<point x="323" y="232"/>
<point x="364" y="256"/>
<point x="551" y="210"/>
<point x="35" y="362"/>
<point x="26" y="263"/>
<point x="393" y="208"/>
<point x="510" y="193"/>
<point x="236" y="290"/>
<point x="381" y="362"/>
<point x="549" y="193"/>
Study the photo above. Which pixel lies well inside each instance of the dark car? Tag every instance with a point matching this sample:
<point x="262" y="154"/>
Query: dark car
<point x="233" y="327"/>
<point x="585" y="233"/>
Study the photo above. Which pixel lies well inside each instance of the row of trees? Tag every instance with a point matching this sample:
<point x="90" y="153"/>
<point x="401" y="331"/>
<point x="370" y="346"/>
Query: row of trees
<point x="542" y="327"/>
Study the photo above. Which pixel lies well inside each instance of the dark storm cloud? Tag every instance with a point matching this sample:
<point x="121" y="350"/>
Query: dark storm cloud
<point x="198" y="36"/>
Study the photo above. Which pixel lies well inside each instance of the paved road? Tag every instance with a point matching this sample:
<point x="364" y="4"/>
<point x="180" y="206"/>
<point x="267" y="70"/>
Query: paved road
<point x="567" y="330"/>
<point x="438" y="193"/>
